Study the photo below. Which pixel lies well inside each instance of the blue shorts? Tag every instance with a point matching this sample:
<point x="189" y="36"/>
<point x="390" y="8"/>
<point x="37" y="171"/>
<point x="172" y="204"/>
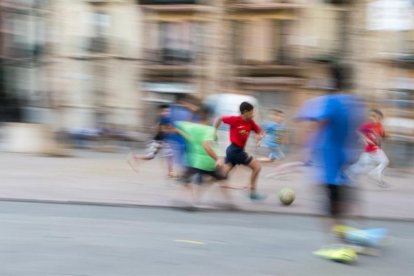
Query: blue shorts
<point x="236" y="155"/>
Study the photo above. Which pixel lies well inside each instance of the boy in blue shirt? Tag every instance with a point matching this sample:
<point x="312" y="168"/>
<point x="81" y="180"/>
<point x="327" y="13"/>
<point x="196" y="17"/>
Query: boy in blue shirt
<point x="334" y="148"/>
<point x="275" y="136"/>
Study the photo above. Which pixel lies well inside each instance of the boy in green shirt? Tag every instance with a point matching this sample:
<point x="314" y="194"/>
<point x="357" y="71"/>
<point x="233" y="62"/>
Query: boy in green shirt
<point x="201" y="156"/>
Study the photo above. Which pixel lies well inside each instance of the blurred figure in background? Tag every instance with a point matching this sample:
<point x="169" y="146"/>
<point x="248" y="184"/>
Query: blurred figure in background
<point x="373" y="160"/>
<point x="335" y="146"/>
<point x="240" y="128"/>
<point x="275" y="136"/>
<point x="160" y="141"/>
<point x="183" y="111"/>
<point x="304" y="160"/>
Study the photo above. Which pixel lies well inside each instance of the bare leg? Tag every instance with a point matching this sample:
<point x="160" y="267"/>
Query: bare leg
<point x="382" y="162"/>
<point x="256" y="168"/>
<point x="265" y="160"/>
<point x="170" y="167"/>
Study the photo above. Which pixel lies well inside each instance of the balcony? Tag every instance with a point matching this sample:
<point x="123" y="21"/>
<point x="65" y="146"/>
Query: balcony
<point x="169" y="63"/>
<point x="264" y="6"/>
<point x="338" y="2"/>
<point x="168" y="2"/>
<point x="98" y="45"/>
<point x="174" y="6"/>
<point x="178" y="10"/>
<point x="268" y="69"/>
<point x="269" y="83"/>
<point x="401" y="59"/>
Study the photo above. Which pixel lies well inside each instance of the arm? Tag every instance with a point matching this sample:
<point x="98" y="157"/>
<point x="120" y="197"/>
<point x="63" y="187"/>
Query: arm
<point x="384" y="134"/>
<point x="217" y="124"/>
<point x="163" y="128"/>
<point x="259" y="133"/>
<point x="365" y="139"/>
<point x="209" y="149"/>
<point x="259" y="137"/>
<point x="285" y="138"/>
<point x="181" y="133"/>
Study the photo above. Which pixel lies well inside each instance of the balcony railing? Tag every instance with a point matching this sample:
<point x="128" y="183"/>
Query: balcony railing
<point x="168" y="56"/>
<point x="98" y="45"/>
<point x="167" y="2"/>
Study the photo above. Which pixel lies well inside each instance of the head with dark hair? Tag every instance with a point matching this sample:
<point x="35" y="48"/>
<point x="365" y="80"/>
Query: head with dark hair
<point x="277" y="111"/>
<point x="246" y="107"/>
<point x="204" y="113"/>
<point x="189" y="101"/>
<point x="378" y="112"/>
<point x="180" y="98"/>
<point x="375" y="115"/>
<point x="247" y="110"/>
<point x="163" y="106"/>
<point x="164" y="110"/>
<point x="277" y="115"/>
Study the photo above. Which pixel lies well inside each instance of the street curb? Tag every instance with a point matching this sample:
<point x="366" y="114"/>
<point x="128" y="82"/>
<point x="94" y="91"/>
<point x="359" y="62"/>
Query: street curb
<point x="193" y="209"/>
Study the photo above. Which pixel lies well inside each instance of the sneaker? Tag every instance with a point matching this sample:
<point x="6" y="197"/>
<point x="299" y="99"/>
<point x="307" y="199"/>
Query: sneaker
<point x="257" y="197"/>
<point x="338" y="254"/>
<point x="383" y="184"/>
<point x="341" y="230"/>
<point x="152" y="149"/>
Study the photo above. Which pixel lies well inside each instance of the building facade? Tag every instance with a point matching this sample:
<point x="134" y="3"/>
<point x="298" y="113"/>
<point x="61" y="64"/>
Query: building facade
<point x="94" y="59"/>
<point x="84" y="63"/>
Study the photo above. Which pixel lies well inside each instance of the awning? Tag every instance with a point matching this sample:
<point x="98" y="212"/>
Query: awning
<point x="270" y="80"/>
<point x="169" y="87"/>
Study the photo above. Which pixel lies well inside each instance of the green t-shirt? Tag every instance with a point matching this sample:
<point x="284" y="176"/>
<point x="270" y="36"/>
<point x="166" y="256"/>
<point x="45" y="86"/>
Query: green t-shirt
<point x="196" y="155"/>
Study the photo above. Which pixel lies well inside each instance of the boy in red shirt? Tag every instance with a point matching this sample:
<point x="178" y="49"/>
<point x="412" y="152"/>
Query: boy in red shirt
<point x="372" y="132"/>
<point x="240" y="127"/>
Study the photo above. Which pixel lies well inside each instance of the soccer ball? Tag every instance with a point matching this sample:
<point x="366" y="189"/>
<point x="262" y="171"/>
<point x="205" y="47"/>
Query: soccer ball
<point x="286" y="196"/>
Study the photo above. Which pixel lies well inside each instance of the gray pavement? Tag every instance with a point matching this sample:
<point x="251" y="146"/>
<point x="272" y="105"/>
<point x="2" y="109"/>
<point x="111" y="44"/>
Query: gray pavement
<point x="98" y="178"/>
<point x="56" y="239"/>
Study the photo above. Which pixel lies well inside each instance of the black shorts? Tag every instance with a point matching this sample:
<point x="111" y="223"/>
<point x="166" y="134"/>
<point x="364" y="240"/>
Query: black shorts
<point x="191" y="172"/>
<point x="236" y="155"/>
<point x="339" y="197"/>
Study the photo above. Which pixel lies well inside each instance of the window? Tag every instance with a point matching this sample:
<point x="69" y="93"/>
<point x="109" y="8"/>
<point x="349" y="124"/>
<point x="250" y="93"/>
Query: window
<point x="262" y="42"/>
<point x="99" y="22"/>
<point x="257" y="42"/>
<point x="177" y="42"/>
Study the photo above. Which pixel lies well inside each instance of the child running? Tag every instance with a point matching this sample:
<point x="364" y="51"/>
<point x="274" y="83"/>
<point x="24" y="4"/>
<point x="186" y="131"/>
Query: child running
<point x="275" y="136"/>
<point x="373" y="160"/>
<point x="159" y="142"/>
<point x="201" y="156"/>
<point x="240" y="128"/>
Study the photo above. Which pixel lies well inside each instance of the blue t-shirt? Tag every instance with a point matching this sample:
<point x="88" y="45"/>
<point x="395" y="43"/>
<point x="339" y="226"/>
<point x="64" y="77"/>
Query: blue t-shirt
<point x="335" y="144"/>
<point x="274" y="132"/>
<point x="163" y="121"/>
<point x="178" y="113"/>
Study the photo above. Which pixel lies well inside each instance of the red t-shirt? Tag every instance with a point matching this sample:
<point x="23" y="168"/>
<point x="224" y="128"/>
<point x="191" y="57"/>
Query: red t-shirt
<point x="240" y="129"/>
<point x="374" y="132"/>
